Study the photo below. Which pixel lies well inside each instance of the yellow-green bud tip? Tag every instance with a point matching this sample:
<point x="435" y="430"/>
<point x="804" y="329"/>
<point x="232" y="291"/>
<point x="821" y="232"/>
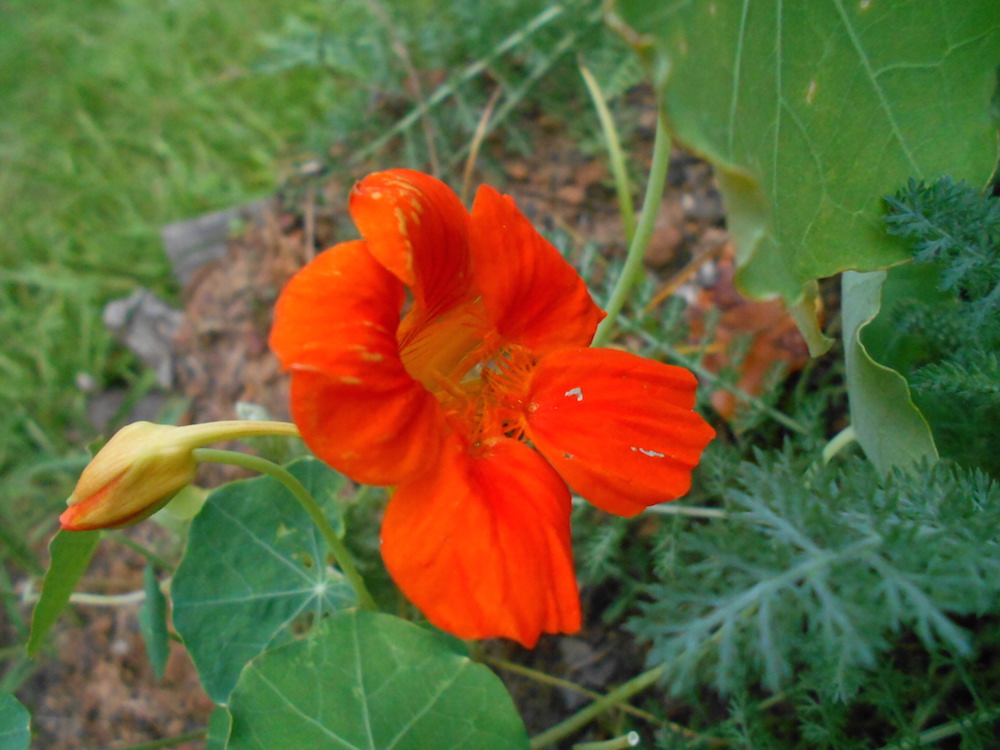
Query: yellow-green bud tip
<point x="132" y="477"/>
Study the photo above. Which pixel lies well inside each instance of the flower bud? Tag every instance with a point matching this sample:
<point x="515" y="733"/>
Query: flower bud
<point x="146" y="464"/>
<point x="131" y="477"/>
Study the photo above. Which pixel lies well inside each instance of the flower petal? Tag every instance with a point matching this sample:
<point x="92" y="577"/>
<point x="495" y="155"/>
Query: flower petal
<point x="618" y="428"/>
<point x="417" y="228"/>
<point x="354" y="402"/>
<point x="533" y="297"/>
<point x="481" y="545"/>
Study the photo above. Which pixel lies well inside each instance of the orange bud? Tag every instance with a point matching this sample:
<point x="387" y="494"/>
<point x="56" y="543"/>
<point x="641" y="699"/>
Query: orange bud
<point x="131" y="477"/>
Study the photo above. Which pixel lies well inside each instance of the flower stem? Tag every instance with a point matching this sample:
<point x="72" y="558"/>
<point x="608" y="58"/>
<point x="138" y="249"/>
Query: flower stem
<point x="632" y="270"/>
<point x="547" y="679"/>
<point x="581" y="718"/>
<point x="206" y="433"/>
<point x="261" y="465"/>
<point x="151" y="556"/>
<point x="618" y="743"/>
<point x="615" y="155"/>
<point x="838" y="442"/>
<point x="165" y="742"/>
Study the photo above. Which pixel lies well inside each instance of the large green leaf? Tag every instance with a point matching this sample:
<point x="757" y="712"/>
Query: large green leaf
<point x="70" y="553"/>
<point x="368" y="680"/>
<point x="255" y="569"/>
<point x="889" y="428"/>
<point x="811" y="111"/>
<point x="15" y="732"/>
<point x="219" y="724"/>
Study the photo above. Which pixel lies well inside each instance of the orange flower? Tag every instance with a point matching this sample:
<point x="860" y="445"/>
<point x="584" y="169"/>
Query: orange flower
<point x="481" y="404"/>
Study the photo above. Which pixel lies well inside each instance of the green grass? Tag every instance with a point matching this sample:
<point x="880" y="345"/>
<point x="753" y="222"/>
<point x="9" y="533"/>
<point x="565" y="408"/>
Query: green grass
<point x="115" y="119"/>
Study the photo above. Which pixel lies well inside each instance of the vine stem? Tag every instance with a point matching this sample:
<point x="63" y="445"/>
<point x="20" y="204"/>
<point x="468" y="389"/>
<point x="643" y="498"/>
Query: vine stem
<point x="838" y="442"/>
<point x="619" y="695"/>
<point x="936" y="734"/>
<point x="165" y="742"/>
<point x="616" y="156"/>
<point x="262" y="466"/>
<point x="632" y="270"/>
<point x="547" y="679"/>
<point x="618" y="743"/>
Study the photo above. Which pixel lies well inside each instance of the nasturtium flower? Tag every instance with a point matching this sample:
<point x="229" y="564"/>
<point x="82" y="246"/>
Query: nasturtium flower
<point x="446" y="353"/>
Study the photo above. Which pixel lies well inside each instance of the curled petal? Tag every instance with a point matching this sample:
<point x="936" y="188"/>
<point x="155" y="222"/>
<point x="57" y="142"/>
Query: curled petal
<point x="481" y="545"/>
<point x="533" y="297"/>
<point x="354" y="402"/>
<point x="619" y="428"/>
<point x="418" y="229"/>
<point x="379" y="432"/>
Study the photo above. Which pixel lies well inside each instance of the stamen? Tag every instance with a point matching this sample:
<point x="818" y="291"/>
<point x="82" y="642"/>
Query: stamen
<point x="491" y="401"/>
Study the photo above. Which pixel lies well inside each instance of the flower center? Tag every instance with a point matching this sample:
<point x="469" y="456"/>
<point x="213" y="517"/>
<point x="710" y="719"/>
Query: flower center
<point x="492" y="401"/>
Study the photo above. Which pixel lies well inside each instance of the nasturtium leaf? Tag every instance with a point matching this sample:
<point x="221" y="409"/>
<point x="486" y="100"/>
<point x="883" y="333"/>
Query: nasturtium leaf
<point x="70" y="553"/>
<point x="153" y="622"/>
<point x="367" y="680"/>
<point x="15" y="724"/>
<point x="219" y="725"/>
<point x="812" y="111"/>
<point x="255" y="570"/>
<point x="889" y="428"/>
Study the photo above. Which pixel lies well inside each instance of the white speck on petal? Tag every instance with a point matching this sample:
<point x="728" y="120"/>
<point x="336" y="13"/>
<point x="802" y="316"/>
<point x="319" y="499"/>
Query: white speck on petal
<point x="575" y="392"/>
<point x="646" y="452"/>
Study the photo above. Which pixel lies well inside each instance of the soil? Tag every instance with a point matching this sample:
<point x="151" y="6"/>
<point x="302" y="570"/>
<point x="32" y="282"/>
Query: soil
<point x="95" y="688"/>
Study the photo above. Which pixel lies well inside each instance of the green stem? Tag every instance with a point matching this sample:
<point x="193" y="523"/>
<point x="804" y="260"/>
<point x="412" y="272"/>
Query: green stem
<point x="262" y="466"/>
<point x="931" y="736"/>
<point x="838" y="442"/>
<point x="547" y="679"/>
<point x="119" y="537"/>
<point x="583" y="717"/>
<point x="615" y="154"/>
<point x="193" y="736"/>
<point x="632" y="270"/>
<point x="618" y="743"/>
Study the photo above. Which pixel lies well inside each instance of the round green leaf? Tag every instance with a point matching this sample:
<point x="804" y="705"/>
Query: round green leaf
<point x="219" y="724"/>
<point x="255" y="569"/>
<point x="15" y="721"/>
<point x="811" y="111"/>
<point x="366" y="680"/>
